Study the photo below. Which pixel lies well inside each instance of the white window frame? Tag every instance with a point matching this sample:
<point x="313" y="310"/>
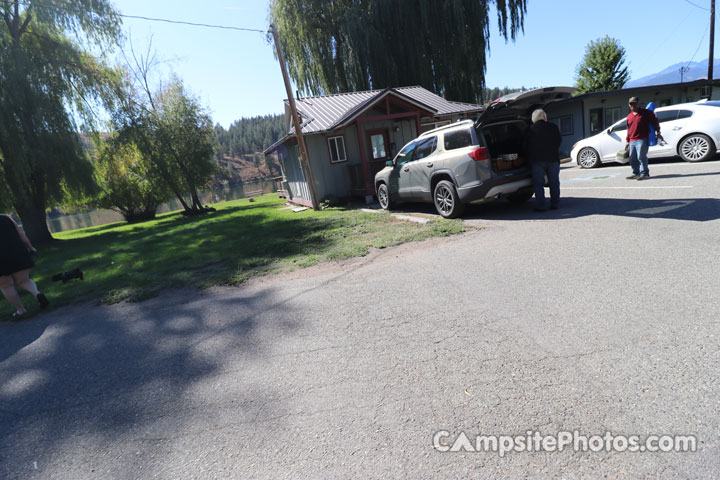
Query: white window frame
<point x="330" y="149"/>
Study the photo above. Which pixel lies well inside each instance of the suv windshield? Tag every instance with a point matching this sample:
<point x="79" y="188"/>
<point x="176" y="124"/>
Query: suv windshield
<point x="406" y="154"/>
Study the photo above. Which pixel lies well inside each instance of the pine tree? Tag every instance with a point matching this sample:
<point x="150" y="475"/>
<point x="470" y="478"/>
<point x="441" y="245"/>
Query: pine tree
<point x="602" y="67"/>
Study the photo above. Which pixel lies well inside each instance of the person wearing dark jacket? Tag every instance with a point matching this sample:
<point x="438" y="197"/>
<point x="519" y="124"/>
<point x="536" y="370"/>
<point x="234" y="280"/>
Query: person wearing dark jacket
<point x="15" y="264"/>
<point x="541" y="146"/>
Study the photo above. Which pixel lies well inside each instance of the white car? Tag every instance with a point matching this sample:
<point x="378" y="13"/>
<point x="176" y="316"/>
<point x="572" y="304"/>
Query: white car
<point x="690" y="130"/>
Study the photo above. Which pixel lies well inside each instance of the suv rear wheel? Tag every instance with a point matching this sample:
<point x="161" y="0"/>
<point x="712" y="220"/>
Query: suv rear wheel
<point x="446" y="199"/>
<point x="383" y="194"/>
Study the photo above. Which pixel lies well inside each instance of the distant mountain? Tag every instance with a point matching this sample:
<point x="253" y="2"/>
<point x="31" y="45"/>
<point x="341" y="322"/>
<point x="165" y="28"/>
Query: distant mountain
<point x="696" y="71"/>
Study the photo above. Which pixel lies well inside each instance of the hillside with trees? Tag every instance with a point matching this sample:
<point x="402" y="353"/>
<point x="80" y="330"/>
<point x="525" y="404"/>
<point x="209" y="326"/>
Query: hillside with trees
<point x="240" y="147"/>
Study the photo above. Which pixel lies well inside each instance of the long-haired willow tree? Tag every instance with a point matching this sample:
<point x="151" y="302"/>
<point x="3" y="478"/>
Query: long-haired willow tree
<point x="348" y="45"/>
<point x="44" y="73"/>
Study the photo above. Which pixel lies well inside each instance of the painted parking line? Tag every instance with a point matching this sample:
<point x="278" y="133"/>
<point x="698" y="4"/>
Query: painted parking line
<point x="591" y="177"/>
<point x="628" y="188"/>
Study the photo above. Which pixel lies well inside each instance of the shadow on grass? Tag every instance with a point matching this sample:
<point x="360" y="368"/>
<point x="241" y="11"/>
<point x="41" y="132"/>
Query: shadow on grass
<point x="135" y="260"/>
<point x="87" y="382"/>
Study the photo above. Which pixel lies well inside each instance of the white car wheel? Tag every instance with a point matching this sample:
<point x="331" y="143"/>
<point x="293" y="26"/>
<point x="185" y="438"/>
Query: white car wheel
<point x="696" y="148"/>
<point x="588" y="158"/>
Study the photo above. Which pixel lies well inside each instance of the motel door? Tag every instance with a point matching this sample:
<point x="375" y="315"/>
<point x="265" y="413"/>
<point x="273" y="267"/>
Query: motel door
<point x="378" y="150"/>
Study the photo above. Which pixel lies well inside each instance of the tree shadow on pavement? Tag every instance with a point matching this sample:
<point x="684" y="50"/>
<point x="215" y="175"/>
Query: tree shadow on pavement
<point x="85" y="378"/>
<point x="689" y="209"/>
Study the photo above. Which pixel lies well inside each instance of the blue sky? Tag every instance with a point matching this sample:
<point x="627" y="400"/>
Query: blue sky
<point x="235" y="74"/>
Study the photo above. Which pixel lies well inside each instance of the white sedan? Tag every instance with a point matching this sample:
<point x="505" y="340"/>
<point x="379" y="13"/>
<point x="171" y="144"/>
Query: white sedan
<point x="690" y="130"/>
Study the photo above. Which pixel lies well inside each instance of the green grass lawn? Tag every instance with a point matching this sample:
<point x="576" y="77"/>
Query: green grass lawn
<point x="241" y="239"/>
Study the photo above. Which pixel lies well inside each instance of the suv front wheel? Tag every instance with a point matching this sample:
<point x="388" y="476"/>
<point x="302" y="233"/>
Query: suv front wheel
<point x="383" y="194"/>
<point x="446" y="199"/>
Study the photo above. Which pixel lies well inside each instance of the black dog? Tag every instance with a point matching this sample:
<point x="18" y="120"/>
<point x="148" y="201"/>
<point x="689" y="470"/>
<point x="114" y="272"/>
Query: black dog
<point x="66" y="276"/>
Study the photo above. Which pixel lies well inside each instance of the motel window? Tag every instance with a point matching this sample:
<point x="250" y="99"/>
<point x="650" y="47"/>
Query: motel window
<point x="426" y="127"/>
<point x="565" y="124"/>
<point x="612" y="115"/>
<point x="337" y="149"/>
<point x="596" y="120"/>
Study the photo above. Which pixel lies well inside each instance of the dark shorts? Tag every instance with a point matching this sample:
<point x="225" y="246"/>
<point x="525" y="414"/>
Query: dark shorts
<point x="8" y="266"/>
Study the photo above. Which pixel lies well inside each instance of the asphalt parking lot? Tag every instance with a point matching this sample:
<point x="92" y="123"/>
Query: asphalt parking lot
<point x="599" y="317"/>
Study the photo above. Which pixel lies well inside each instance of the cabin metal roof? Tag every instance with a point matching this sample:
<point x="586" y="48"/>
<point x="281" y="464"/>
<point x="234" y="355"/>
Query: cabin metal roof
<point x="328" y="112"/>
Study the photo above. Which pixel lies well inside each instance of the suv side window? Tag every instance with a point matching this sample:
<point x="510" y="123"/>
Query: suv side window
<point x="458" y="139"/>
<point x="425" y="148"/>
<point x="406" y="154"/>
<point x="667" y="115"/>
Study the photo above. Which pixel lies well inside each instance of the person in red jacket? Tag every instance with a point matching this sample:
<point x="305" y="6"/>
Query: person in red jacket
<point x="638" y="123"/>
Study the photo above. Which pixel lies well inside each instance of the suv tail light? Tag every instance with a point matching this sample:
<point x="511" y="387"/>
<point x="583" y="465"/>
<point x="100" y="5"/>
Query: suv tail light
<point x="479" y="154"/>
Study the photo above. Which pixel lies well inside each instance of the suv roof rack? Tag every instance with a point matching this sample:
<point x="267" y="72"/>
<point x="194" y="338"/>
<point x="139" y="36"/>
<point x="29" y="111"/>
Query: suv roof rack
<point x="451" y="125"/>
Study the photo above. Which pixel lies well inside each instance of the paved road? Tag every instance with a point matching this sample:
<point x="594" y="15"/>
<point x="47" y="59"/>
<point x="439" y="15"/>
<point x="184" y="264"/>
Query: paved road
<point x="601" y="316"/>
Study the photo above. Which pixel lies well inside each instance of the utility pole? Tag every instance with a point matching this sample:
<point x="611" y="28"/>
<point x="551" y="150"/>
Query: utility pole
<point x="304" y="159"/>
<point x="712" y="45"/>
<point x="682" y="72"/>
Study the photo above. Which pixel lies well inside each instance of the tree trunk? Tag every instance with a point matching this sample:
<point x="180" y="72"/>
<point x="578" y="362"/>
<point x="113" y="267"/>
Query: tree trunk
<point x="182" y="201"/>
<point x="197" y="205"/>
<point x="34" y="222"/>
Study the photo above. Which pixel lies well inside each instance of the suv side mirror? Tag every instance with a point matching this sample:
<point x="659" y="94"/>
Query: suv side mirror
<point x="389" y="163"/>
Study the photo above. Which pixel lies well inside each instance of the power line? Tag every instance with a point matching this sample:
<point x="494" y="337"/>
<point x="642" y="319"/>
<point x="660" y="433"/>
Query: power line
<point x="139" y="17"/>
<point x="650" y="57"/>
<point x="698" y="6"/>
<point x="698" y="47"/>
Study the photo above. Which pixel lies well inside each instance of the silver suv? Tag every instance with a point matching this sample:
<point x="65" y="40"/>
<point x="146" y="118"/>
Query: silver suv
<point x="467" y="162"/>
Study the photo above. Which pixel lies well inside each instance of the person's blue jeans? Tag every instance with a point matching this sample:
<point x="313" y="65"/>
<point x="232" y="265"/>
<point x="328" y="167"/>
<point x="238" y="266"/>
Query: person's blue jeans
<point x="638" y="157"/>
<point x="552" y="170"/>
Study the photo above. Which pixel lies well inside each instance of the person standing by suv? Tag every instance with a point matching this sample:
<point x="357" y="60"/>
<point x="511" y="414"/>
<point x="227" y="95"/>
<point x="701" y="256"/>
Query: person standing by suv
<point x="636" y="140"/>
<point x="541" y="146"/>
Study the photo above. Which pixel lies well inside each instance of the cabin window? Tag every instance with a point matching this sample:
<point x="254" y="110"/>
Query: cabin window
<point x="377" y="143"/>
<point x="337" y="149"/>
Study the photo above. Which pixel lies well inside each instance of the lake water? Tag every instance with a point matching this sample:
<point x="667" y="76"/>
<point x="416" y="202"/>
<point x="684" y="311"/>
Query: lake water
<point x="207" y="197"/>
